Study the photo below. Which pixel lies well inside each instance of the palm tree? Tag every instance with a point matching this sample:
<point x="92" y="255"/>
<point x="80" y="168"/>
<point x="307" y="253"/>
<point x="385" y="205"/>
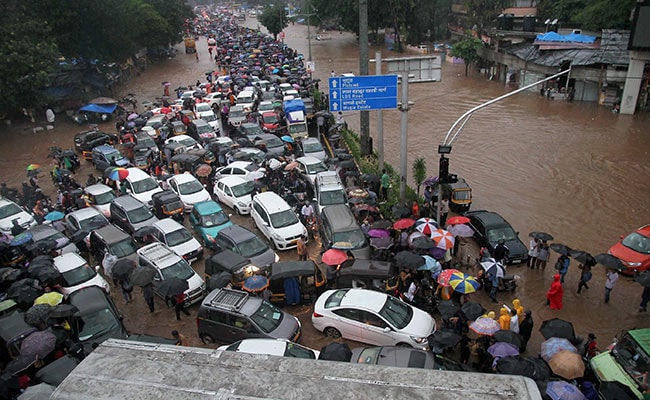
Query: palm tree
<point x="419" y="170"/>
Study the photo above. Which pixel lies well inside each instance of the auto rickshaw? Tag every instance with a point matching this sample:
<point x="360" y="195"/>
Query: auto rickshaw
<point x="178" y="128"/>
<point x="185" y="163"/>
<point x="237" y="266"/>
<point x="167" y="204"/>
<point x="458" y="191"/>
<point x="365" y="274"/>
<point x="307" y="278"/>
<point x="142" y="157"/>
<point x="205" y="155"/>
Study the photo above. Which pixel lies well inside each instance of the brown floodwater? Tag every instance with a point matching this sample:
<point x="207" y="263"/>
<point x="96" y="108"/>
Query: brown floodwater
<point x="574" y="170"/>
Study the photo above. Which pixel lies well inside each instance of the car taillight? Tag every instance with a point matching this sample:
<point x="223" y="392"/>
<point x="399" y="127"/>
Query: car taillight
<point x="316" y="315"/>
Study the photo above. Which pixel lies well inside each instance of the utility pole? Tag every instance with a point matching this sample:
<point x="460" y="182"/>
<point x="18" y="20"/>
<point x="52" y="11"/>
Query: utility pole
<point x="364" y="118"/>
<point x="404" y="108"/>
<point x="380" y="120"/>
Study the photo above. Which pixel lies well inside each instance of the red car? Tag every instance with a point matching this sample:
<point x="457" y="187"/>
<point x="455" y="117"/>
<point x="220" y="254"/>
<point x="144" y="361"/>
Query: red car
<point x="634" y="250"/>
<point x="270" y="121"/>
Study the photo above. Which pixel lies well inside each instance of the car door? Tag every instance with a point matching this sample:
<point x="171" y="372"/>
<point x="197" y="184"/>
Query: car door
<point x="224" y="194"/>
<point x="72" y="224"/>
<point x="479" y="230"/>
<point x="173" y="185"/>
<point x="348" y="321"/>
<point x="373" y="330"/>
<point x="119" y="218"/>
<point x="261" y="220"/>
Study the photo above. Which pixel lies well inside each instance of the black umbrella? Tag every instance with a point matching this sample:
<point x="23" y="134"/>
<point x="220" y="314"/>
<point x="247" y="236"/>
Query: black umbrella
<point x="336" y="352"/>
<point x="542" y="236"/>
<point x="558" y="328"/>
<point x="643" y="278"/>
<point x="610" y="261"/>
<point x="25" y="291"/>
<point x="423" y="243"/>
<point x="443" y="339"/>
<point x="400" y="211"/>
<point x="34" y="267"/>
<point x="78" y="236"/>
<point x="38" y="314"/>
<point x="122" y="268"/>
<point x="530" y="367"/>
<point x="142" y="276"/>
<point x="172" y="287"/>
<point x="582" y="257"/>
<point x="220" y="280"/>
<point x="381" y="224"/>
<point x="560" y="248"/>
<point x="408" y="259"/>
<point x="144" y="231"/>
<point x="615" y="390"/>
<point x="472" y="310"/>
<point x="509" y="337"/>
<point x="63" y="311"/>
<point x="9" y="274"/>
<point x="447" y="308"/>
<point x="48" y="276"/>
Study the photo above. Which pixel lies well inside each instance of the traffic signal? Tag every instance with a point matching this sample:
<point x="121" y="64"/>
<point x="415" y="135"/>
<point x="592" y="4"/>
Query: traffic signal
<point x="443" y="172"/>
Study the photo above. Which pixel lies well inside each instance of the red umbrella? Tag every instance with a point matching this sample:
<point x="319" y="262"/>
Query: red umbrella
<point x="458" y="219"/>
<point x="333" y="257"/>
<point x="403" y="223"/>
<point x="445" y="275"/>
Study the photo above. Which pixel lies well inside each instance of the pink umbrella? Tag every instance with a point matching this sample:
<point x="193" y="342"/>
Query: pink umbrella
<point x="461" y="230"/>
<point x="378" y="233"/>
<point x="444" y="239"/>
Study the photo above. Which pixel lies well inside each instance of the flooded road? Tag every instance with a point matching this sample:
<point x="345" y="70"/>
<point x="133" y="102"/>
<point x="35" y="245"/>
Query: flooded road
<point x="574" y="170"/>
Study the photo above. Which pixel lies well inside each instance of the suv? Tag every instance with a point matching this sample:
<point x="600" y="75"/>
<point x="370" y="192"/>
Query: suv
<point x="277" y="221"/>
<point x="329" y="190"/>
<point x="200" y="130"/>
<point x="489" y="227"/>
<point x="46" y="237"/>
<point x="178" y="238"/>
<point x="99" y="197"/>
<point x="247" y="244"/>
<point x="77" y="274"/>
<point x="170" y="265"/>
<point x="339" y="225"/>
<point x="85" y="142"/>
<point x="113" y="240"/>
<point x="108" y="156"/>
<point x="229" y="315"/>
<point x="130" y="214"/>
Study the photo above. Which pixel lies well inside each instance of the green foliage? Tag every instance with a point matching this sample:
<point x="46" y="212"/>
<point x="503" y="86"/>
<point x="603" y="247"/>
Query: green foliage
<point x="419" y="169"/>
<point x="467" y="50"/>
<point x="588" y="14"/>
<point x="274" y="18"/>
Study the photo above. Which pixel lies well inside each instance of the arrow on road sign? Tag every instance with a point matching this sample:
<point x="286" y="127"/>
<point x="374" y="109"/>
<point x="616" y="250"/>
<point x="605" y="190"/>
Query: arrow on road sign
<point x="335" y="106"/>
<point x="335" y="95"/>
<point x="334" y="82"/>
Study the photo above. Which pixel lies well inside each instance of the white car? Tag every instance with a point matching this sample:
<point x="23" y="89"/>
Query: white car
<point x="77" y="274"/>
<point x="10" y="211"/>
<point x="188" y="142"/>
<point x="312" y="147"/>
<point x="178" y="239"/>
<point x="372" y="317"/>
<point x="141" y="185"/>
<point x="277" y="221"/>
<point x="202" y="107"/>
<point x="189" y="189"/>
<point x="310" y="166"/>
<point x="244" y="169"/>
<point x="213" y="97"/>
<point x="265" y="105"/>
<point x="86" y="219"/>
<point x="272" y="347"/>
<point x="211" y="119"/>
<point x="235" y="192"/>
<point x="99" y="197"/>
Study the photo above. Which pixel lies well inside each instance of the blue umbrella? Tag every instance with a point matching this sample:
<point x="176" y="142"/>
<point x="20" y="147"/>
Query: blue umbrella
<point x="21" y="239"/>
<point x="554" y="345"/>
<point x="561" y="390"/>
<point x="287" y="138"/>
<point x="54" y="216"/>
<point x="256" y="283"/>
<point x="430" y="264"/>
<point x="275" y="70"/>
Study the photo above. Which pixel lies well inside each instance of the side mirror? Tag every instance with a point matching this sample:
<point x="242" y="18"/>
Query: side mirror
<point x="386" y="329"/>
<point x="97" y="268"/>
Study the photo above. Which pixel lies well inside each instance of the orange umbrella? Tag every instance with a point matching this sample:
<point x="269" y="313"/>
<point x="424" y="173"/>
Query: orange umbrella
<point x="567" y="364"/>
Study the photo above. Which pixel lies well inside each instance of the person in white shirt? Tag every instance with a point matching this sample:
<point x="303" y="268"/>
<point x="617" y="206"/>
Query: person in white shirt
<point x="514" y="321"/>
<point x="307" y="211"/>
<point x="612" y="278"/>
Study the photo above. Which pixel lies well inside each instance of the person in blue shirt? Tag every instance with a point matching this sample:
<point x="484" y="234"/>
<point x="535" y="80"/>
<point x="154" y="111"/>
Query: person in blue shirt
<point x="563" y="262"/>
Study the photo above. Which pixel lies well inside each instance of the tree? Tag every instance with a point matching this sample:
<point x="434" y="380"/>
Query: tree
<point x="419" y="170"/>
<point x="467" y="50"/>
<point x="588" y="14"/>
<point x="274" y="19"/>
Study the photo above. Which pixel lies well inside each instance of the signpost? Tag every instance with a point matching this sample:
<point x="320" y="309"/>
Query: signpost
<point x="362" y="93"/>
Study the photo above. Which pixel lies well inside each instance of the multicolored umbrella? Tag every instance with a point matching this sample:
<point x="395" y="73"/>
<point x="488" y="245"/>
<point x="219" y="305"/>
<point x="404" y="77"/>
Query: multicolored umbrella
<point x="33" y="167"/>
<point x="457" y="219"/>
<point x="21" y="239"/>
<point x="118" y="174"/>
<point x="443" y="239"/>
<point x="426" y="225"/>
<point x="403" y="223"/>
<point x="567" y="364"/>
<point x="485" y="326"/>
<point x="554" y="345"/>
<point x="255" y="283"/>
<point x="445" y="275"/>
<point x="334" y="257"/>
<point x="463" y="283"/>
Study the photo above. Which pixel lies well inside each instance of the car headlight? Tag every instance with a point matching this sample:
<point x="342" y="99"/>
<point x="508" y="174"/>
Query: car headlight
<point x="210" y="237"/>
<point x="304" y="232"/>
<point x="277" y="237"/>
<point x="203" y="286"/>
<point x="241" y="205"/>
<point x="634" y="264"/>
<point x="418" y="340"/>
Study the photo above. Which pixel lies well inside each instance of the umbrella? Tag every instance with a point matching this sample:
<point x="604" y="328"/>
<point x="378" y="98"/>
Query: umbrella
<point x="38" y="314"/>
<point x="220" y="280"/>
<point x="426" y="225"/>
<point x="463" y="283"/>
<point x="530" y="367"/>
<point x="132" y="116"/>
<point x="47" y="275"/>
<point x="33" y="167"/>
<point x="144" y="231"/>
<point x="443" y="239"/>
<point x="334" y="257"/>
<point x="408" y="259"/>
<point x="443" y="339"/>
<point x="25" y="291"/>
<point x="378" y="233"/>
<point x="615" y="390"/>
<point x="42" y="391"/>
<point x="509" y="337"/>
<point x="485" y="326"/>
<point x="9" y="274"/>
<point x="561" y="390"/>
<point x="503" y="349"/>
<point x="79" y="235"/>
<point x="21" y="239"/>
<point x="287" y="139"/>
<point x="54" y="216"/>
<point x="610" y="261"/>
<point x="582" y="257"/>
<point x="403" y="223"/>
<point x="437" y="253"/>
<point x="541" y="236"/>
<point x="554" y="345"/>
<point x="142" y="276"/>
<point x="447" y="308"/>
<point x="457" y="219"/>
<point x="445" y="275"/>
<point x="381" y="243"/>
<point x="400" y="211"/>
<point x="472" y="310"/>
<point x="256" y="283"/>
<point x="422" y="243"/>
<point x="335" y="352"/>
<point x="560" y="248"/>
<point x="461" y="230"/>
<point x="122" y="268"/>
<point x="492" y="267"/>
<point x="381" y="224"/>
<point x="172" y="287"/>
<point x="203" y="170"/>
<point x="117" y="174"/>
<point x="643" y="278"/>
<point x="38" y="344"/>
<point x="567" y="364"/>
<point x="56" y="371"/>
<point x="430" y="264"/>
<point x="557" y="328"/>
<point x="291" y="166"/>
<point x="63" y="311"/>
<point x="6" y="305"/>
<point x="49" y="298"/>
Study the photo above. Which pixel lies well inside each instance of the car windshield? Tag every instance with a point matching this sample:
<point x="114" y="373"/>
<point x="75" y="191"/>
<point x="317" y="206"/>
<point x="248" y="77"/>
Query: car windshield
<point x="355" y="237"/>
<point x="243" y="189"/>
<point x="273" y="142"/>
<point x="637" y="242"/>
<point x="104" y="198"/>
<point x="9" y="210"/>
<point x="178" y="237"/>
<point x="79" y="275"/>
<point x="140" y="214"/>
<point x="97" y="323"/>
<point x="181" y="270"/>
<point x="270" y="119"/>
<point x="251" y="167"/>
<point x="312" y="147"/>
<point x="188" y="142"/>
<point x="253" y="130"/>
<point x="313" y="169"/>
<point x="122" y="248"/>
<point x="283" y="218"/>
<point x="397" y="313"/>
<point x="294" y="350"/>
<point x="146" y="141"/>
<point x="215" y="219"/>
<point x="114" y="156"/>
<point x="252" y="247"/>
<point x="209" y="117"/>
<point x="335" y="298"/>
<point x="94" y="222"/>
<point x="506" y="233"/>
<point x="144" y="185"/>
<point x="236" y="113"/>
<point x="634" y="360"/>
<point x="190" y="187"/>
<point x="369" y="355"/>
<point x="297" y="128"/>
<point x="268" y="317"/>
<point x="172" y="206"/>
<point x="332" y="197"/>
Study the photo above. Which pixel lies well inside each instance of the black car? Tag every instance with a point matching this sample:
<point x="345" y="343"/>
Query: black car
<point x="405" y="358"/>
<point x="489" y="227"/>
<point x="85" y="141"/>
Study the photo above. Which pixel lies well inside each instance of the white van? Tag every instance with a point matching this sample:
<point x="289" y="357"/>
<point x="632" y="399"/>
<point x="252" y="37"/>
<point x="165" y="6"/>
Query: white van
<point x="246" y="99"/>
<point x="277" y="221"/>
<point x="141" y="185"/>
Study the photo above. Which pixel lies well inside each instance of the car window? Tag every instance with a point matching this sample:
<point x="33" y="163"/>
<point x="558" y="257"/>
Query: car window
<point x="123" y="248"/>
<point x="243" y="324"/>
<point x="268" y="317"/>
<point x="252" y="247"/>
<point x="294" y="350"/>
<point x="238" y="171"/>
<point x="140" y="214"/>
<point x="331" y="197"/>
<point x="94" y="222"/>
<point x="243" y="189"/>
<point x="260" y="211"/>
<point x="503" y="233"/>
<point x="178" y="237"/>
<point x="637" y="242"/>
<point x="369" y="318"/>
<point x="397" y="313"/>
<point x="78" y="275"/>
<point x="356" y="237"/>
<point x="369" y="355"/>
<point x="220" y="186"/>
<point x="283" y="218"/>
<point x="350" y="313"/>
<point x="97" y="323"/>
<point x="214" y="219"/>
<point x="104" y="198"/>
<point x="9" y="210"/>
<point x="190" y="187"/>
<point x="224" y="243"/>
<point x="335" y="299"/>
<point x="218" y="317"/>
<point x="181" y="269"/>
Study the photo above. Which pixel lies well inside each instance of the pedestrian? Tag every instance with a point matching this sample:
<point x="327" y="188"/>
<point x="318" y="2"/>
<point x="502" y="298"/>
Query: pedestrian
<point x="591" y="346"/>
<point x="415" y="210"/>
<point x="301" y="247"/>
<point x="500" y="251"/>
<point x="645" y="298"/>
<point x="16" y="229"/>
<point x="147" y="293"/>
<point x="494" y="282"/>
<point x="562" y="266"/>
<point x="196" y="53"/>
<point x="588" y="390"/>
<point x="385" y="184"/>
<point x="514" y="321"/>
<point x="516" y="304"/>
<point x="107" y="263"/>
<point x="504" y="319"/>
<point x="585" y="276"/>
<point x="444" y="210"/>
<point x="50" y="116"/>
<point x="180" y="306"/>
<point x="610" y="282"/>
<point x="126" y="288"/>
<point x="542" y="255"/>
<point x="526" y="327"/>
<point x="181" y="340"/>
<point x="533" y="249"/>
<point x="555" y="293"/>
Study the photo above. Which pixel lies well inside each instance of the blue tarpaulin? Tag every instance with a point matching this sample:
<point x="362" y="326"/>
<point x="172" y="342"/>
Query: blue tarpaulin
<point x="99" y="108"/>
<point x="570" y="38"/>
<point x="294" y="105"/>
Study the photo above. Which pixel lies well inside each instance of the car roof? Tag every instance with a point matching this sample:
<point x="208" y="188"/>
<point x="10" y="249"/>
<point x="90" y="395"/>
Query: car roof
<point x="207" y="207"/>
<point x="310" y="139"/>
<point x="237" y="233"/>
<point x="340" y="217"/>
<point x="128" y="202"/>
<point x="68" y="261"/>
<point x="111" y="233"/>
<point x="104" y="148"/>
<point x="367" y="299"/>
<point x="308" y="160"/>
<point x="644" y="230"/>
<point x="167" y="225"/>
<point x="232" y="180"/>
<point x="239" y="164"/>
<point x="85" y="213"/>
<point x="487" y="217"/>
<point x="182" y="178"/>
<point x="272" y="202"/>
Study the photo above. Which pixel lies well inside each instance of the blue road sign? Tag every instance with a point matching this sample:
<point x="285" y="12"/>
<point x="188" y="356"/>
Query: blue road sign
<point x="362" y="93"/>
